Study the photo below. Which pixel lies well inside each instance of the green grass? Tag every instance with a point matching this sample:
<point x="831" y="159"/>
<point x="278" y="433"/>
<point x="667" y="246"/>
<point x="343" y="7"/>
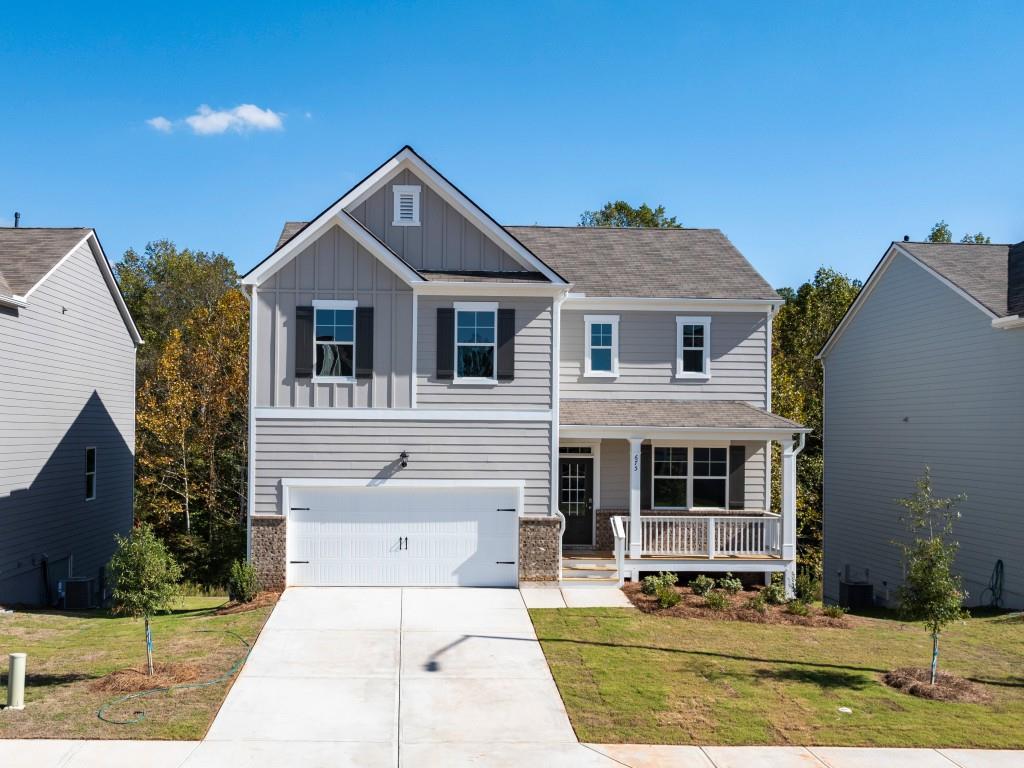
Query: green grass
<point x="68" y="651"/>
<point x="627" y="676"/>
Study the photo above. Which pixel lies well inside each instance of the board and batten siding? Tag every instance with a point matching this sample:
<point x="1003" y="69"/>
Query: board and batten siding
<point x="367" y="449"/>
<point x="334" y="266"/>
<point x="531" y="389"/>
<point x="920" y="377"/>
<point x="67" y="382"/>
<point x="445" y="239"/>
<point x="647" y="358"/>
<point x="615" y="474"/>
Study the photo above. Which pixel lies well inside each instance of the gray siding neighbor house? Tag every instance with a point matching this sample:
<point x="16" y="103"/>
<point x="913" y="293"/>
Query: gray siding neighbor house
<point x="441" y="400"/>
<point x="927" y="369"/>
<point x="67" y="411"/>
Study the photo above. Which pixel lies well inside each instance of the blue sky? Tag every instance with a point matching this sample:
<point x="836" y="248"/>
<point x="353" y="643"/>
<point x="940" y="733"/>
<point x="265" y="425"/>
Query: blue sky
<point x="810" y="133"/>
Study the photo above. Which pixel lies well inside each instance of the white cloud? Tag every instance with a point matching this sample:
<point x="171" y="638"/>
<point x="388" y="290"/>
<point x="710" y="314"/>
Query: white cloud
<point x="160" y="123"/>
<point x="244" y="117"/>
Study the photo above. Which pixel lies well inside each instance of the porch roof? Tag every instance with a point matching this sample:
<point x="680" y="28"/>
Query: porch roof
<point x="702" y="415"/>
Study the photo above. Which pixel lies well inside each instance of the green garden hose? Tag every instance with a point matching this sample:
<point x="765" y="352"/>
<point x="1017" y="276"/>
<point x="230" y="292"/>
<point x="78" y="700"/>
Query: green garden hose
<point x="140" y="715"/>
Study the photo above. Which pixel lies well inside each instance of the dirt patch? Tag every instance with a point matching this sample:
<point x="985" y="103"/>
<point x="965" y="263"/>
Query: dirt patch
<point x="917" y="682"/>
<point x="692" y="606"/>
<point x="262" y="600"/>
<point x="164" y="676"/>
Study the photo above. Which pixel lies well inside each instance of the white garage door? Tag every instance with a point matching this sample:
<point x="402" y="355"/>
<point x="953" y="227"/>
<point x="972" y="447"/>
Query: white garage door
<point x="409" y="536"/>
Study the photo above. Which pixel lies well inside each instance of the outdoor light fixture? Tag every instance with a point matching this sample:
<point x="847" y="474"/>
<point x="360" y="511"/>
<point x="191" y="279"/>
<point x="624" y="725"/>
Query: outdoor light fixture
<point x="404" y="456"/>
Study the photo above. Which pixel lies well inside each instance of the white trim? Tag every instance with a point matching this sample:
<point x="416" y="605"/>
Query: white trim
<point x="876" y="275"/>
<point x="588" y="322"/>
<point x="13" y="301"/>
<point x="95" y="470"/>
<point x="1008" y="322"/>
<point x="682" y="320"/>
<point x="478" y="381"/>
<point x="397" y="191"/>
<point x="475" y="288"/>
<point x="556" y="354"/>
<point x="385" y="255"/>
<point x="55" y="267"/>
<point x="769" y="316"/>
<point x="399" y="414"/>
<point x="415" y="352"/>
<point x="251" y="468"/>
<point x="690" y="476"/>
<point x="350" y="304"/>
<point x="624" y="303"/>
<point x="595" y="469"/>
<point x="677" y="433"/>
<point x="475" y="306"/>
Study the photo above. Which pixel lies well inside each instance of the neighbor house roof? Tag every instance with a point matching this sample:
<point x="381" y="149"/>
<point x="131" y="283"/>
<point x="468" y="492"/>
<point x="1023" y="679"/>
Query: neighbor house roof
<point x="28" y="253"/>
<point x="979" y="270"/>
<point x="678" y="414"/>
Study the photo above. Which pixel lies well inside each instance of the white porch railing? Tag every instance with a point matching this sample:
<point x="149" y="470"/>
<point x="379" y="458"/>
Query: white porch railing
<point x="705" y="535"/>
<point x="619" y="535"/>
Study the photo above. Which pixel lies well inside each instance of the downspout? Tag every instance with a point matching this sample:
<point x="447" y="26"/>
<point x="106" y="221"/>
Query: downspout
<point x="250" y="502"/>
<point x="556" y="366"/>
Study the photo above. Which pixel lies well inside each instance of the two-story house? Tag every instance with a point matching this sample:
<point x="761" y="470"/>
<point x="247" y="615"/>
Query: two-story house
<point x="438" y="399"/>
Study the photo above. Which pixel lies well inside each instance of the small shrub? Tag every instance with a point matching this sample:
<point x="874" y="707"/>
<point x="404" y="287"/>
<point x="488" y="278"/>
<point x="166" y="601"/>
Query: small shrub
<point x="716" y="600"/>
<point x="808" y="588"/>
<point x="242" y="582"/>
<point x="730" y="584"/>
<point x="650" y="584"/>
<point x="775" y="593"/>
<point x="667" y="595"/>
<point x="758" y="603"/>
<point x="702" y="585"/>
<point x="833" y="611"/>
<point x="798" y="608"/>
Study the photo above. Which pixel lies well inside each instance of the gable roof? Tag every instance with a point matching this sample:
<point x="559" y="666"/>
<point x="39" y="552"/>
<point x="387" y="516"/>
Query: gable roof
<point x="648" y="262"/>
<point x="679" y="414"/>
<point x="29" y="255"/>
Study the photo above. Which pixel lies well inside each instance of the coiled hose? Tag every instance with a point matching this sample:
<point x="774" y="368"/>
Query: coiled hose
<point x="140" y="715"/>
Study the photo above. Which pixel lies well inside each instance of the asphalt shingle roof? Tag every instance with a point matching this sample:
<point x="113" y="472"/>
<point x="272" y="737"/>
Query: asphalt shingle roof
<point x="710" y="414"/>
<point x="28" y="253"/>
<point x="979" y="270"/>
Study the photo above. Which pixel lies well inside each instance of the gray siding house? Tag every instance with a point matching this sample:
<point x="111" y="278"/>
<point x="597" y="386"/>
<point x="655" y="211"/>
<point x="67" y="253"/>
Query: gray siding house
<point x="927" y="369"/>
<point x="438" y="399"/>
<point x="67" y="411"/>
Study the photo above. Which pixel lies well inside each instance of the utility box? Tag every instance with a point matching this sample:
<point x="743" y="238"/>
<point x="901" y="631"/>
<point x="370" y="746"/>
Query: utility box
<point x="78" y="593"/>
<point x="856" y="595"/>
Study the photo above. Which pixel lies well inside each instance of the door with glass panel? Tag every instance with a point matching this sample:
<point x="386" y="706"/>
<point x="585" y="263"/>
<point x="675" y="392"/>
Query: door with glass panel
<point x="576" y="500"/>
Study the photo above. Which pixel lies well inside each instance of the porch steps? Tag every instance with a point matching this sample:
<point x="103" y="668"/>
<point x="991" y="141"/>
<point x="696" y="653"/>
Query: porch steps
<point x="589" y="571"/>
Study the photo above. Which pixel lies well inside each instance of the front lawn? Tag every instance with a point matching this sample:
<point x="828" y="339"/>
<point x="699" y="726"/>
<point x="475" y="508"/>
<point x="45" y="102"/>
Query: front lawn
<point x="68" y="652"/>
<point x="631" y="677"/>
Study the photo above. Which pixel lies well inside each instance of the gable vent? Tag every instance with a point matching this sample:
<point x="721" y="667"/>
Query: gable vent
<point x="407" y="205"/>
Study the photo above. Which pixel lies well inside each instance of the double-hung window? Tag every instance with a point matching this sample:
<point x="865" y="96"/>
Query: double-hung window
<point x="475" y="341"/>
<point x="335" y="340"/>
<point x="693" y="347"/>
<point x="670" y="476"/>
<point x="685" y="477"/>
<point x="90" y="474"/>
<point x="710" y="477"/>
<point x="602" y="345"/>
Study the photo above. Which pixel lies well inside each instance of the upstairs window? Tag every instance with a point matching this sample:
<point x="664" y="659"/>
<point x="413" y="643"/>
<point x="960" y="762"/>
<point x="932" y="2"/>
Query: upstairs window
<point x="602" y="345"/>
<point x="693" y="347"/>
<point x="475" y="341"/>
<point x="335" y="340"/>
<point x="407" y="205"/>
<point x="90" y="474"/>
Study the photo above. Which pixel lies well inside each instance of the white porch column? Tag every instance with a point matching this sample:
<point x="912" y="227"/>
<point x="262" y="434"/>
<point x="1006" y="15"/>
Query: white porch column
<point x="789" y="453"/>
<point x="635" y="540"/>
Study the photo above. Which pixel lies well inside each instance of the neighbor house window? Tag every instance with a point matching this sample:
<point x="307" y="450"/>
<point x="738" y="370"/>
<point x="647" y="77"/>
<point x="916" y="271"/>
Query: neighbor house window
<point x="602" y="347"/>
<point x="90" y="474"/>
<point x="334" y="325"/>
<point x="710" y="473"/>
<point x="407" y="205"/>
<point x="670" y="477"/>
<point x="475" y="341"/>
<point x="693" y="347"/>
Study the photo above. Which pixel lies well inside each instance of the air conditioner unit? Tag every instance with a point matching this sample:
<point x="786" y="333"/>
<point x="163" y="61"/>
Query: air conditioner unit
<point x="78" y="593"/>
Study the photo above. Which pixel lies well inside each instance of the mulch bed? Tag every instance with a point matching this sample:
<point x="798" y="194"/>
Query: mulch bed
<point x="917" y="682"/>
<point x="132" y="680"/>
<point x="693" y="607"/>
<point x="262" y="599"/>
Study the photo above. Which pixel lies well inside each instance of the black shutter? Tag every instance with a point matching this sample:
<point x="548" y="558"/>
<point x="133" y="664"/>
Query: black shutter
<point x="303" y="360"/>
<point x="737" y="479"/>
<point x="364" y="342"/>
<point x="645" y="476"/>
<point x="445" y="343"/>
<point x="506" y="345"/>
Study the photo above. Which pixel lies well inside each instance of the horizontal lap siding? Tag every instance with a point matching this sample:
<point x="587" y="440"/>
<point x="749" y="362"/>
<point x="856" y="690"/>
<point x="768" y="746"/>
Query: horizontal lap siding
<point x="919" y="378"/>
<point x="531" y="388"/>
<point x="370" y="449"/>
<point x="647" y="359"/>
<point x="66" y="383"/>
<point x="334" y="267"/>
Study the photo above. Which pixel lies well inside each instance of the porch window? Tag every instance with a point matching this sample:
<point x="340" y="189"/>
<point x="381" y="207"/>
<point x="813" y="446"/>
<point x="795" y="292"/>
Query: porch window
<point x="602" y="352"/>
<point x="670" y="477"/>
<point x="475" y="341"/>
<point x="710" y="475"/>
<point x="693" y="347"/>
<point x="335" y="340"/>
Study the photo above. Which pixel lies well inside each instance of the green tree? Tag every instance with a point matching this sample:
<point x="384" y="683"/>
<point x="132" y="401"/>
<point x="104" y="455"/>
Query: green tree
<point x="941" y="233"/>
<point x="799" y="331"/>
<point x="622" y="214"/>
<point x="145" y="577"/>
<point x="931" y="592"/>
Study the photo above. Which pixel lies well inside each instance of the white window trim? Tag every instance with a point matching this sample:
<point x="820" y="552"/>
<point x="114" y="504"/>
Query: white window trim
<point x="336" y="304"/>
<point x="682" y="320"/>
<point x="690" y="477"/>
<point x="588" y="322"/>
<point x="405" y="189"/>
<point x="477" y="381"/>
<point x="95" y="469"/>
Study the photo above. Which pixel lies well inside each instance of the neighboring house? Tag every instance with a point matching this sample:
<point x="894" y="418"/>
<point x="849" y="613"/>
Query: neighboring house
<point x="927" y="369"/>
<point x="436" y="396"/>
<point x="67" y="411"/>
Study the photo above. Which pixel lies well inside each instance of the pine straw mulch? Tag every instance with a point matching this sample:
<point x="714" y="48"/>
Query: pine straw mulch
<point x="164" y="676"/>
<point x="693" y="607"/>
<point x="262" y="599"/>
<point x="916" y="681"/>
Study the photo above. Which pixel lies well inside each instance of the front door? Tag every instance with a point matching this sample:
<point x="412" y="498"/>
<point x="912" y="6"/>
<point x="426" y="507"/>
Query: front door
<point x="576" y="500"/>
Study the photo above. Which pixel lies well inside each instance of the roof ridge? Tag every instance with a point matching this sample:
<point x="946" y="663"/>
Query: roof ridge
<point x="615" y="229"/>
